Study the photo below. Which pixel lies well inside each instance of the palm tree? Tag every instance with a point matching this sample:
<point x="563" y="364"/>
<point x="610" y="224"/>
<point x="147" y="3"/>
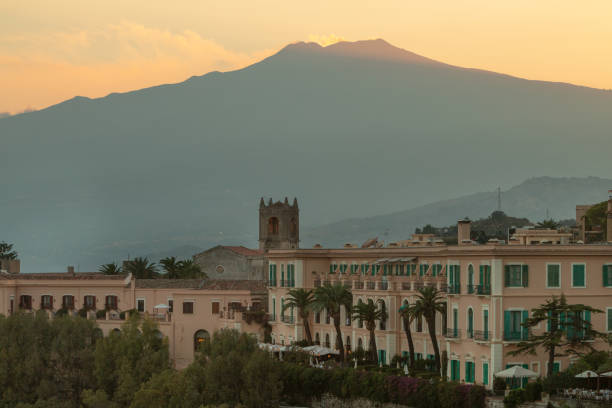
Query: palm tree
<point x="110" y="269"/>
<point x="140" y="268"/>
<point x="332" y="298"/>
<point x="171" y="266"/>
<point x="302" y="299"/>
<point x="547" y="224"/>
<point x="407" y="314"/>
<point x="370" y="313"/>
<point x="6" y="251"/>
<point x="429" y="302"/>
<point x="188" y="269"/>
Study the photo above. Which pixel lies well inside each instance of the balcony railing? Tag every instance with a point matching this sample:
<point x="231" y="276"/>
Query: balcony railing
<point x="371" y="285"/>
<point x="452" y="333"/>
<point x="443" y="287"/>
<point x="358" y="285"/>
<point x="454" y="289"/>
<point x="348" y="284"/>
<point x="406" y="286"/>
<point x="482" y="335"/>
<point x="515" y="335"/>
<point x="471" y="289"/>
<point x="287" y="283"/>
<point x="383" y="285"/>
<point x="326" y="283"/>
<point x="483" y="290"/>
<point x="272" y="283"/>
<point x="317" y="283"/>
<point x="288" y="319"/>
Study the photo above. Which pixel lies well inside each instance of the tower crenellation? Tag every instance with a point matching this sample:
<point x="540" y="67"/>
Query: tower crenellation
<point x="279" y="224"/>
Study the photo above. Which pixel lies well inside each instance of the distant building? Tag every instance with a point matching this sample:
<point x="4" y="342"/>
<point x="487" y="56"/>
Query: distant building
<point x="232" y="262"/>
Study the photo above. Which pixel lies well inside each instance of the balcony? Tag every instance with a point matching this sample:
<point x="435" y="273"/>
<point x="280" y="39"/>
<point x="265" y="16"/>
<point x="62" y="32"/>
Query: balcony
<point x="418" y="286"/>
<point x="471" y="289"/>
<point x="483" y="290"/>
<point x="317" y="283"/>
<point x="358" y="285"/>
<point x="454" y="289"/>
<point x="383" y="285"/>
<point x="348" y="284"/>
<point x="287" y="283"/>
<point x="272" y="284"/>
<point x="371" y="285"/>
<point x="288" y="319"/>
<point x="452" y="333"/>
<point x="443" y="287"/>
<point x="326" y="283"/>
<point x="482" y="335"/>
<point x="406" y="286"/>
<point x="515" y="335"/>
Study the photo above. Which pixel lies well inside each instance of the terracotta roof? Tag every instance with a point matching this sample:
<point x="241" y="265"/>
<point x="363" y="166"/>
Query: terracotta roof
<point x="168" y="283"/>
<point x="207" y="284"/>
<point x="243" y="250"/>
<point x="64" y="276"/>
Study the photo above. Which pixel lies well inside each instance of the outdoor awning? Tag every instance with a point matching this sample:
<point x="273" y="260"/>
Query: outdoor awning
<point x="516" y="372"/>
<point x="606" y="374"/>
<point x="319" y="350"/>
<point x="587" y="374"/>
<point x="161" y="306"/>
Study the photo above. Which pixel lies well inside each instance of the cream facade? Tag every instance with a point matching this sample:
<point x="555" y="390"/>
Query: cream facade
<point x="188" y="311"/>
<point x="490" y="290"/>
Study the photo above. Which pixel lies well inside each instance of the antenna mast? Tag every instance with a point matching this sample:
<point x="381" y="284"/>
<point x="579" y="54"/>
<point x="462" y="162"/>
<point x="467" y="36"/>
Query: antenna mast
<point x="498" y="198"/>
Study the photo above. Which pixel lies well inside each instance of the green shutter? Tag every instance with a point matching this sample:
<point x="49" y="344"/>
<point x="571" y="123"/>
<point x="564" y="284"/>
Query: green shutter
<point x="609" y="319"/>
<point x="525" y="275"/>
<point x="525" y="330"/>
<point x="578" y="275"/>
<point x="507" y="317"/>
<point x="607" y="275"/>
<point x="485" y="373"/>
<point x="481" y="275"/>
<point x="507" y="275"/>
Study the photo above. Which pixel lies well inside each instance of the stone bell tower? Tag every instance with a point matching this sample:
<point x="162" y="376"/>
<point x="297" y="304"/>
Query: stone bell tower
<point x="279" y="224"/>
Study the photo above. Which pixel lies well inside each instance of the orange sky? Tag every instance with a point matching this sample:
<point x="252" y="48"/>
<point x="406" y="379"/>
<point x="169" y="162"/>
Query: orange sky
<point x="53" y="50"/>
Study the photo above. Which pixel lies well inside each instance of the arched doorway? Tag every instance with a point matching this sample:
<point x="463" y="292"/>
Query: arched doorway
<point x="200" y="338"/>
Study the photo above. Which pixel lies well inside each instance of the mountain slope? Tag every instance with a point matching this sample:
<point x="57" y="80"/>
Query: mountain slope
<point x="531" y="199"/>
<point x="350" y="129"/>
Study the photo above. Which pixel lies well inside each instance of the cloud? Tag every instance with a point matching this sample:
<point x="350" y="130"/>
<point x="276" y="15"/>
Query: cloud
<point x="325" y="40"/>
<point x="39" y="70"/>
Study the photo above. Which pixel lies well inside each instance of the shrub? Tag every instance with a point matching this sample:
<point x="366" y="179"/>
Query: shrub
<point x="499" y="386"/>
<point x="533" y="391"/>
<point x="515" y="398"/>
<point x="100" y="314"/>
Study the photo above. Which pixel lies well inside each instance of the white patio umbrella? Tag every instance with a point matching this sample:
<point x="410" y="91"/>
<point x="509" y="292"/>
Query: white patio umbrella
<point x="516" y="372"/>
<point x="587" y="374"/>
<point x="606" y="374"/>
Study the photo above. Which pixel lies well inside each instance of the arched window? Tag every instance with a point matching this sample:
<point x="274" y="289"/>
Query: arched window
<point x="317" y="339"/>
<point x="470" y="278"/>
<point x="383" y="323"/>
<point x="115" y="331"/>
<point x="318" y="317"/>
<point x="360" y="321"/>
<point x="200" y="338"/>
<point x="273" y="226"/>
<point x="327" y="340"/>
<point x="470" y="323"/>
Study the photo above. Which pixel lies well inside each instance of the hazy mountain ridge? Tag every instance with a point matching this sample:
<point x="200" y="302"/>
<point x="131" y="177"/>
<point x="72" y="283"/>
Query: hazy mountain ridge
<point x="349" y="133"/>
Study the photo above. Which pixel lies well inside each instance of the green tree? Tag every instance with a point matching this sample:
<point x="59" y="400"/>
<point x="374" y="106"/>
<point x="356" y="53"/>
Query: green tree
<point x="597" y="216"/>
<point x="190" y="270"/>
<point x="7" y="252"/>
<point x="110" y="269"/>
<point x="547" y="224"/>
<point x="262" y="384"/>
<point x="141" y="268"/>
<point x="568" y="331"/>
<point x="171" y="266"/>
<point x="370" y="313"/>
<point x="301" y="299"/>
<point x="407" y="314"/>
<point x="332" y="298"/>
<point x="430" y="302"/>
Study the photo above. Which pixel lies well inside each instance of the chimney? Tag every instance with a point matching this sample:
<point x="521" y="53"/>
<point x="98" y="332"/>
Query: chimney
<point x="70" y="270"/>
<point x="609" y="218"/>
<point x="464" y="228"/>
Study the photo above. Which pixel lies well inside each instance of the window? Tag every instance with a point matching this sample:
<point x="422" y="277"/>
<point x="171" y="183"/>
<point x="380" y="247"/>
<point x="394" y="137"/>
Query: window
<point x="327" y="317"/>
<point x="436" y="269"/>
<point x="455" y="370"/>
<point x="291" y="275"/>
<point x="188" y="307"/>
<point x="382" y="356"/>
<point x="68" y="302"/>
<point x="485" y="276"/>
<point x="607" y="276"/>
<point x="170" y="305"/>
<point x="333" y="267"/>
<point x="348" y="343"/>
<point x="89" y="302"/>
<point x="516" y="276"/>
<point x="423" y="267"/>
<point x="318" y="317"/>
<point x="470" y="278"/>
<point x="470" y="328"/>
<point x="327" y="344"/>
<point x="513" y="330"/>
<point x="317" y="339"/>
<point x="485" y="373"/>
<point x="215" y="307"/>
<point x="354" y="268"/>
<point x="609" y="312"/>
<point x="272" y="275"/>
<point x="273" y="226"/>
<point x="399" y="269"/>
<point x="140" y="305"/>
<point x="364" y="269"/>
<point x="553" y="276"/>
<point x="273" y="309"/>
<point x="46" y="302"/>
<point x="111" y="302"/>
<point x="454" y="278"/>
<point x="578" y="275"/>
<point x="200" y="338"/>
<point x="470" y="372"/>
